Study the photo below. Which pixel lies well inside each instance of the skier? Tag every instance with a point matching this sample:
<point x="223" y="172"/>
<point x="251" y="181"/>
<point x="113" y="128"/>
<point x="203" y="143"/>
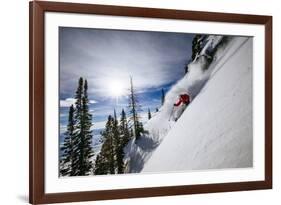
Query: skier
<point x="180" y="105"/>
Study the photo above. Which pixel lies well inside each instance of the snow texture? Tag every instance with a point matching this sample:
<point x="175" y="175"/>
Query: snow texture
<point x="215" y="130"/>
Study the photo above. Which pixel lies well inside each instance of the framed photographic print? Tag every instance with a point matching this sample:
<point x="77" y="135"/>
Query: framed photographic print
<point x="139" y="102"/>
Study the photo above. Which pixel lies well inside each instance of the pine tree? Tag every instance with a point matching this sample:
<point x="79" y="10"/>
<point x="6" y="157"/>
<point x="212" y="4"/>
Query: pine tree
<point x="86" y="134"/>
<point x="162" y="96"/>
<point x="186" y="68"/>
<point x="100" y="165"/>
<point x="82" y="142"/>
<point x="67" y="149"/>
<point x="126" y="134"/>
<point x="118" y="146"/>
<point x="115" y="137"/>
<point x="140" y="128"/>
<point x="105" y="163"/>
<point x="134" y="108"/>
<point x="197" y="45"/>
<point x="124" y="129"/>
<point x="149" y="114"/>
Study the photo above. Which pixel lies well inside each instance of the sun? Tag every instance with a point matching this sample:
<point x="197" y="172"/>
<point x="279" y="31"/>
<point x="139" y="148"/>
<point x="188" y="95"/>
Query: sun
<point x="116" y="88"/>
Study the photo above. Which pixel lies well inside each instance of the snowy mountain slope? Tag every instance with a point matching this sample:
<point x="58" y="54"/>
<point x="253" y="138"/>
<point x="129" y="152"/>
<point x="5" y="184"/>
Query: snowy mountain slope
<point x="177" y="150"/>
<point x="215" y="131"/>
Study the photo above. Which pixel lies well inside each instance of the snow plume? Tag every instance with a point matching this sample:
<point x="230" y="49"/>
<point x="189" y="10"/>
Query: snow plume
<point x="198" y="74"/>
<point x="215" y="131"/>
<point x="191" y="84"/>
<point x="136" y="154"/>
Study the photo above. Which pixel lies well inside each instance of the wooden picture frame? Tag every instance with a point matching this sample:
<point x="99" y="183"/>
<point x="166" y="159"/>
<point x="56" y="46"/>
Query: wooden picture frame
<point x="37" y="194"/>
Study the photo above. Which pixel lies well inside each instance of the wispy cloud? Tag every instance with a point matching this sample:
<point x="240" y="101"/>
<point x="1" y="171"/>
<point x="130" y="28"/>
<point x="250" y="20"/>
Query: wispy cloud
<point x="71" y="101"/>
<point x="152" y="58"/>
<point x="63" y="128"/>
<point x="67" y="102"/>
<point x="93" y="101"/>
<point x="155" y="60"/>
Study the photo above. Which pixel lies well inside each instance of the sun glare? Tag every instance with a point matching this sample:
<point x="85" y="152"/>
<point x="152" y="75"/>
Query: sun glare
<point x="116" y="88"/>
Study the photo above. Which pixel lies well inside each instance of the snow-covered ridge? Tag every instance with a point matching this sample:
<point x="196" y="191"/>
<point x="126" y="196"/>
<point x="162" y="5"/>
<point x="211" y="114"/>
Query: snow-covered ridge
<point x="169" y="143"/>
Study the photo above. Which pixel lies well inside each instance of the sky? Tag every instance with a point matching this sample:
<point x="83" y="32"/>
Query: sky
<point x="107" y="59"/>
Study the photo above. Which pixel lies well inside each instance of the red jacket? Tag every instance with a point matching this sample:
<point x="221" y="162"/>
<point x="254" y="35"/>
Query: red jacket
<point x="183" y="99"/>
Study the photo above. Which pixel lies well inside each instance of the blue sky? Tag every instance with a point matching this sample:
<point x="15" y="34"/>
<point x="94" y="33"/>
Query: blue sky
<point x="107" y="59"/>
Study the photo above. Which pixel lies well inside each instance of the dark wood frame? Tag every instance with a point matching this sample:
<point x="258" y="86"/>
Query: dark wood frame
<point x="37" y="194"/>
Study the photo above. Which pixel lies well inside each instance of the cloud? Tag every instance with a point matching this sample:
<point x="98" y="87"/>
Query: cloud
<point x="63" y="128"/>
<point x="67" y="102"/>
<point x="152" y="58"/>
<point x="93" y="101"/>
<point x="71" y="101"/>
<point x="63" y="115"/>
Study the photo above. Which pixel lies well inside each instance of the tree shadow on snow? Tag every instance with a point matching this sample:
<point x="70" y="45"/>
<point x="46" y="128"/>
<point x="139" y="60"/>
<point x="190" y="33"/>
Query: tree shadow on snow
<point x="144" y="148"/>
<point x="136" y="163"/>
<point x="147" y="144"/>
